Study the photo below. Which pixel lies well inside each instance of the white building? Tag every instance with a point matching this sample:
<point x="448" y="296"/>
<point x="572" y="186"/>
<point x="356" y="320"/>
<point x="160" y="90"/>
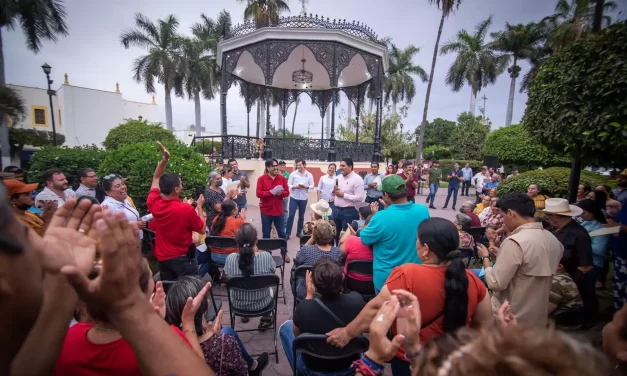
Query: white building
<point x="85" y="116"/>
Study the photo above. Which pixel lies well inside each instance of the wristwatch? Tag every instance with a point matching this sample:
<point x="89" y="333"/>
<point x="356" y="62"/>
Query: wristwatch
<point x="485" y="257"/>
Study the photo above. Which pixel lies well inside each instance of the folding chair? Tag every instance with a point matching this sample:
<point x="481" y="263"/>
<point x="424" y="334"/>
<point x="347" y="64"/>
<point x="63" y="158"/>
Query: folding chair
<point x="365" y="288"/>
<point x="304" y="239"/>
<point x="220" y="242"/>
<point x="477" y="233"/>
<point x="270" y="245"/>
<point x="151" y="238"/>
<point x="252" y="284"/>
<point x="299" y="272"/>
<point x="214" y="307"/>
<point x="469" y="253"/>
<point x="315" y="345"/>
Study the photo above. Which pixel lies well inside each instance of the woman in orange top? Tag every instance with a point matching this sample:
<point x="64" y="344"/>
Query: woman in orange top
<point x="226" y="224"/>
<point x="450" y="295"/>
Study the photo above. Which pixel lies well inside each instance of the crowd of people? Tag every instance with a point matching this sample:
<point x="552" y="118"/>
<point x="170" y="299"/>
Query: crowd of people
<point x="78" y="298"/>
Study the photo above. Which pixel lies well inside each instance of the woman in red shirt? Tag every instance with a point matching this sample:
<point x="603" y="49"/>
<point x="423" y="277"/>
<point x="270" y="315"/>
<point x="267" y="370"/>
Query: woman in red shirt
<point x="226" y="224"/>
<point x="353" y="249"/>
<point x="450" y="295"/>
<point x="96" y="348"/>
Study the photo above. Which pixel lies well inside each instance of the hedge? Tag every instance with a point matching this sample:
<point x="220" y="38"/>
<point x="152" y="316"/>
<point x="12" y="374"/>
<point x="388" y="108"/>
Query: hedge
<point x="554" y="181"/>
<point x="436" y="152"/>
<point x="206" y="148"/>
<point x="134" y="131"/>
<point x="67" y="159"/>
<point x="138" y="162"/>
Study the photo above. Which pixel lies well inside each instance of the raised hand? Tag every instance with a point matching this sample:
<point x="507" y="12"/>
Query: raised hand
<point x="381" y="349"/>
<point x="374" y="207"/>
<point x="192" y="305"/>
<point x="201" y="200"/>
<point x="505" y="316"/>
<point x="311" y="289"/>
<point x="164" y="151"/>
<point x="69" y="239"/>
<point x="158" y="299"/>
<point x="242" y="214"/>
<point x="49" y="209"/>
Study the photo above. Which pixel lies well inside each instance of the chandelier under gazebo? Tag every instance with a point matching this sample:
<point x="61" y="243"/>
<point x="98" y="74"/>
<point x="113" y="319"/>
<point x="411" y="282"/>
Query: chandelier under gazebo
<point x="302" y="76"/>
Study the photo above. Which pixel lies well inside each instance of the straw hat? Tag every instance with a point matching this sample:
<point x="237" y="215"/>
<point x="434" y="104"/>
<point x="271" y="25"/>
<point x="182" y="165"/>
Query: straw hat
<point x="321" y="208"/>
<point x="560" y="206"/>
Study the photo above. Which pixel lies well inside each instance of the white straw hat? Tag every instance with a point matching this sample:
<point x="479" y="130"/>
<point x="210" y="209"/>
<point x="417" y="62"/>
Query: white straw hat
<point x="321" y="208"/>
<point x="560" y="206"/>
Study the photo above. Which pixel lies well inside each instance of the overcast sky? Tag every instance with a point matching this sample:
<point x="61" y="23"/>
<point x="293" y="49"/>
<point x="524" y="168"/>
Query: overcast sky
<point x="93" y="57"/>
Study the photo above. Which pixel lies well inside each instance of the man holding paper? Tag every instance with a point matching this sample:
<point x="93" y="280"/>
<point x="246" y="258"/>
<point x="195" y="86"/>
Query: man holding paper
<point x="300" y="183"/>
<point x="271" y="189"/>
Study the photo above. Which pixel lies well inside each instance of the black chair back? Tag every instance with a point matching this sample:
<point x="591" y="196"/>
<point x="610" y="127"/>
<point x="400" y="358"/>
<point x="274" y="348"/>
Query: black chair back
<point x="304" y="239"/>
<point x="253" y="282"/>
<point x="298" y="273"/>
<point x="316" y="346"/>
<point x="468" y="253"/>
<point x="476" y="231"/>
<point x="271" y="244"/>
<point x="220" y="242"/>
<point x="365" y="288"/>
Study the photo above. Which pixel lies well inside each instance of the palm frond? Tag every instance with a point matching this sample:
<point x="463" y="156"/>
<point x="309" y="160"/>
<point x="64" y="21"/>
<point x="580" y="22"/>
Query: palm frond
<point x="40" y="20"/>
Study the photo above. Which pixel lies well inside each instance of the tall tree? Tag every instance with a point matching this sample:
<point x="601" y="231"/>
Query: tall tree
<point x="264" y="12"/>
<point x="518" y="42"/>
<point x="468" y="137"/>
<point x="573" y="20"/>
<point x="476" y="64"/>
<point x="163" y="46"/>
<point x="447" y="7"/>
<point x="40" y="20"/>
<point x="399" y="83"/>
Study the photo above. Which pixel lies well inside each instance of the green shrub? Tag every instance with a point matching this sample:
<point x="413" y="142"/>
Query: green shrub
<point x="447" y="164"/>
<point x="67" y="159"/>
<point x="206" y="147"/>
<point x="134" y="131"/>
<point x="436" y="152"/>
<point x="138" y="162"/>
<point x="554" y="181"/>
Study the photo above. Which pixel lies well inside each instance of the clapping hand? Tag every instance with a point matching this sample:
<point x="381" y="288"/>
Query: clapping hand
<point x="48" y="211"/>
<point x="311" y="289"/>
<point x="409" y="320"/>
<point x="614" y="337"/>
<point x="201" y="201"/>
<point x="242" y="214"/>
<point x="158" y="299"/>
<point x="504" y="315"/>
<point x="374" y="207"/>
<point x="491" y="235"/>
<point x="191" y="307"/>
<point x="482" y="251"/>
<point x="164" y="151"/>
<point x="381" y="349"/>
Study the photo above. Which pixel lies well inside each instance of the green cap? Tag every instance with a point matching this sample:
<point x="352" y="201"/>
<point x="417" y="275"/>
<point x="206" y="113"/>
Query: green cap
<point x="393" y="184"/>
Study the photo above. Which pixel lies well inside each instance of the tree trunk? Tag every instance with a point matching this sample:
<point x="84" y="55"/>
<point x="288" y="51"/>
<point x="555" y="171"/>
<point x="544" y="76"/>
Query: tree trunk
<point x="295" y="111"/>
<point x="4" y="130"/>
<point x="512" y="90"/>
<point x="394" y="107"/>
<point x="197" y="112"/>
<point x="473" y="100"/>
<point x="168" y="108"/>
<point x="258" y="116"/>
<point x="423" y="125"/>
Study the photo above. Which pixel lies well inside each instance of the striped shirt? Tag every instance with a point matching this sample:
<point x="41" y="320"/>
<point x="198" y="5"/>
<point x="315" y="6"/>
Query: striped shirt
<point x="250" y="300"/>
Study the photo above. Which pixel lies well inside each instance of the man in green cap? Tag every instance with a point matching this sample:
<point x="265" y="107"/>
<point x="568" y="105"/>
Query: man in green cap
<point x="392" y="232"/>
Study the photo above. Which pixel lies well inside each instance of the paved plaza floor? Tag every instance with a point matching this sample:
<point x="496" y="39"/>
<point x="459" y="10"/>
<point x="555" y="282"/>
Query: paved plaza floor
<point x="256" y="342"/>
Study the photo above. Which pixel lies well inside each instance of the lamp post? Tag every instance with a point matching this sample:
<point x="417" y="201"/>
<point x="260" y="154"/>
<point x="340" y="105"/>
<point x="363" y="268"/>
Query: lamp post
<point x="47" y="69"/>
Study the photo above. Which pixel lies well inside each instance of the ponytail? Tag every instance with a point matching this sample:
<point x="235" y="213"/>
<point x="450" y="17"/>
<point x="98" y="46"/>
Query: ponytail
<point x="456" y="293"/>
<point x="246" y="260"/>
<point x="227" y="208"/>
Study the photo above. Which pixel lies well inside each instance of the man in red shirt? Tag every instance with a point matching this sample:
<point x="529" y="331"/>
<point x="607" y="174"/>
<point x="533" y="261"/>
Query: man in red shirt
<point x="411" y="180"/>
<point x="271" y="189"/>
<point x="174" y="222"/>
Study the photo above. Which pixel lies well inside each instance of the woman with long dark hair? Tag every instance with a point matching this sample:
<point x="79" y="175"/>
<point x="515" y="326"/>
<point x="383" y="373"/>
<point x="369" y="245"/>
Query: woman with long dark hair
<point x="248" y="261"/>
<point x="450" y="295"/>
<point x="226" y="224"/>
<point x="593" y="219"/>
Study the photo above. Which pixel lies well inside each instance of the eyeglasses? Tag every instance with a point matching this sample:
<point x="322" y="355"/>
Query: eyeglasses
<point x="275" y="165"/>
<point x="90" y="176"/>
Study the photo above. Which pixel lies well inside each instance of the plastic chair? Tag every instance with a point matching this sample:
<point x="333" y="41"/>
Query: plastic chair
<point x="315" y="345"/>
<point x="468" y="253"/>
<point x="364" y="288"/>
<point x="252" y="284"/>
<point x="304" y="239"/>
<point x="298" y="273"/>
<point x="270" y="245"/>
<point x="214" y="307"/>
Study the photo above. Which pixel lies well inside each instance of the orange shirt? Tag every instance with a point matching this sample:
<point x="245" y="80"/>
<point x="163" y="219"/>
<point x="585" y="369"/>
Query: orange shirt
<point x="230" y="228"/>
<point x="427" y="283"/>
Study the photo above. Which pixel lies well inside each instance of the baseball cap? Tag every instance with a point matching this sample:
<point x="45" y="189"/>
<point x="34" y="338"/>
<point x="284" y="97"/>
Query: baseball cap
<point x="392" y="184"/>
<point x="16" y="187"/>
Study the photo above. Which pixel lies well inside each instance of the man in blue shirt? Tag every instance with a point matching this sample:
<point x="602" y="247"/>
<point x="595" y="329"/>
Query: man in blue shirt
<point x="467" y="173"/>
<point x="392" y="232"/>
<point x="454" y="177"/>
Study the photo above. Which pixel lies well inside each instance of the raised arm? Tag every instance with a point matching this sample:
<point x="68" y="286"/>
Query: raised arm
<point x="163" y="163"/>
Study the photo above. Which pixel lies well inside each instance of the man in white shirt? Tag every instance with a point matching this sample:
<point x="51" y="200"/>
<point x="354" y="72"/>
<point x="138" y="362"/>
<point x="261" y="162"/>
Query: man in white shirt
<point x="57" y="188"/>
<point x="479" y="180"/>
<point x="89" y="181"/>
<point x="300" y="183"/>
<point x="348" y="193"/>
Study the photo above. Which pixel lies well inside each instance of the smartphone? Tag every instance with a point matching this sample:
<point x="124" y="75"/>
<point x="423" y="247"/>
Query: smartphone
<point x="199" y="191"/>
<point x="337" y="183"/>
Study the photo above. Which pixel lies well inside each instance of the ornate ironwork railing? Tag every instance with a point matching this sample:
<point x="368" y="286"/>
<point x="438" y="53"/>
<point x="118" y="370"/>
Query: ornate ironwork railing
<point x="284" y="148"/>
<point x="310" y="22"/>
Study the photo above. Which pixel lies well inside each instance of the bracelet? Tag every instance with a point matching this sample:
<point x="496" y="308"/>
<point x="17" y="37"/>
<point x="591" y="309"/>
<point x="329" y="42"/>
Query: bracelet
<point x="414" y="355"/>
<point x="371" y="363"/>
<point x="361" y="367"/>
<point x="189" y="331"/>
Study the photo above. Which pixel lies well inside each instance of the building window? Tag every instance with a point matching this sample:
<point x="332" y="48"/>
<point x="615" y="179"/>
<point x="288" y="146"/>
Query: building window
<point x="40" y="116"/>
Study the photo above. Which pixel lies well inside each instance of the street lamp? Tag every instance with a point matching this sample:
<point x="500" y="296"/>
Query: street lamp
<point x="47" y="69"/>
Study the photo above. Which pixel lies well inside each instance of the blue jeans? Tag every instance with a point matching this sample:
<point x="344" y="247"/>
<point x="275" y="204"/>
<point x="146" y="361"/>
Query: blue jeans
<point x="301" y="205"/>
<point x="204" y="261"/>
<point x="242" y="206"/>
<point x="342" y="218"/>
<point x="433" y="189"/>
<point x="279" y="224"/>
<point x="453" y="191"/>
<point x="286" y="332"/>
<point x="249" y="360"/>
<point x="219" y="258"/>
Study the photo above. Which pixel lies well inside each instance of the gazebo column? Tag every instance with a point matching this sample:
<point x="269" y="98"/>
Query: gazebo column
<point x="357" y="111"/>
<point x="376" y="157"/>
<point x="268" y="149"/>
<point x="248" y="117"/>
<point x="331" y="153"/>
<point x="223" y="92"/>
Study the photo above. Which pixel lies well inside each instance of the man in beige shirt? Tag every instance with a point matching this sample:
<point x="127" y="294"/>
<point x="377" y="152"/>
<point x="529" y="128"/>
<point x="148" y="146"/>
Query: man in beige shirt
<point x="525" y="263"/>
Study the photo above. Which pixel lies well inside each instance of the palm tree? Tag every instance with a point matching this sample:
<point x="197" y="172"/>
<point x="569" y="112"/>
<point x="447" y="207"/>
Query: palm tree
<point x="399" y="83"/>
<point x="264" y="12"/>
<point x="476" y="64"/>
<point x="163" y="46"/>
<point x="518" y="42"/>
<point x="40" y="20"/>
<point x="572" y="21"/>
<point x="447" y="7"/>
